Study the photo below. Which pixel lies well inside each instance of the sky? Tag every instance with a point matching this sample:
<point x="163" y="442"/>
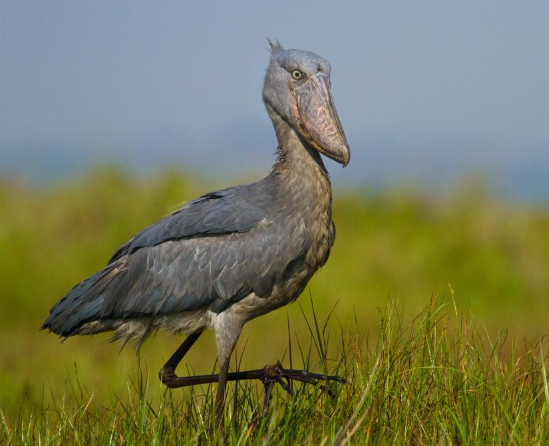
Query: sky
<point x="427" y="91"/>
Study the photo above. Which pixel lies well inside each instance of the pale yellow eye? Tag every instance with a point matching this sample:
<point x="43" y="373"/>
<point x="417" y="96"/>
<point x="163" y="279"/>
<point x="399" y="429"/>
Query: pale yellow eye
<point x="297" y="75"/>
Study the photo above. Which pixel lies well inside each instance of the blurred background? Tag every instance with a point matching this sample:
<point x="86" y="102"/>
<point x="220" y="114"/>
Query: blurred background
<point x="114" y="113"/>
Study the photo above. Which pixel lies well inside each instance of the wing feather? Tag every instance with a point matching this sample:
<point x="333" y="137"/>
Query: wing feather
<point x="223" y="212"/>
<point x="209" y="254"/>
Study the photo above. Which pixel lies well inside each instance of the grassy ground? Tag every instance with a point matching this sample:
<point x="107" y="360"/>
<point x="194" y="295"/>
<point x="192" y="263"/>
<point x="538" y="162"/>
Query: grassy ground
<point x="434" y="381"/>
<point x="421" y="372"/>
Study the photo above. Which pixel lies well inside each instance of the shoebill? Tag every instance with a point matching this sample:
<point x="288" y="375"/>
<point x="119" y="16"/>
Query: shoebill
<point x="231" y="255"/>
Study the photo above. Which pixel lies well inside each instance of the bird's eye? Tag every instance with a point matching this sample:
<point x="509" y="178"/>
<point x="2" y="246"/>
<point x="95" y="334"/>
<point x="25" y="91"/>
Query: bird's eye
<point x="297" y="75"/>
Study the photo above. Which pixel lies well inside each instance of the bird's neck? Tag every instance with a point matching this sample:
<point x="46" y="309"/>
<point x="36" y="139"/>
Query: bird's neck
<point x="297" y="162"/>
<point x="300" y="175"/>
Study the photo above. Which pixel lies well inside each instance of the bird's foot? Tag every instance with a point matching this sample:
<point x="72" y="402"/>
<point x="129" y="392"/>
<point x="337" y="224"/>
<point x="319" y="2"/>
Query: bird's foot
<point x="167" y="375"/>
<point x="268" y="375"/>
<point x="276" y="374"/>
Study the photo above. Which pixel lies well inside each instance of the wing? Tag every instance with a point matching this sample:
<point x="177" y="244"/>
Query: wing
<point x="210" y="272"/>
<point x="222" y="212"/>
<point x="207" y="255"/>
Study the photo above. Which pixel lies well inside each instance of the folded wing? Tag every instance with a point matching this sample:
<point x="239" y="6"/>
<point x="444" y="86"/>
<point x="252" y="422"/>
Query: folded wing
<point x="209" y="254"/>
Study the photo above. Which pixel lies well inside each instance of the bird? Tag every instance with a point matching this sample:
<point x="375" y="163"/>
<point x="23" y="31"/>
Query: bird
<point x="232" y="255"/>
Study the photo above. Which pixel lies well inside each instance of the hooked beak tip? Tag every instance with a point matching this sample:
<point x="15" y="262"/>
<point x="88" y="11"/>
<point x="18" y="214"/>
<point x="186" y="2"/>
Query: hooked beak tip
<point x="316" y="119"/>
<point x="346" y="158"/>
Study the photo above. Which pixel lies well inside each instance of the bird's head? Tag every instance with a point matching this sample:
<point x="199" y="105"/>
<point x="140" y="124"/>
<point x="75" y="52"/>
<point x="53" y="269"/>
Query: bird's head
<point x="297" y="88"/>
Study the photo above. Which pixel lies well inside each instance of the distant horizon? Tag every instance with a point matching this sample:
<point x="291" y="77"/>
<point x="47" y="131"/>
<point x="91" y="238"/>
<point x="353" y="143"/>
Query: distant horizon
<point x="427" y="92"/>
<point x="385" y="166"/>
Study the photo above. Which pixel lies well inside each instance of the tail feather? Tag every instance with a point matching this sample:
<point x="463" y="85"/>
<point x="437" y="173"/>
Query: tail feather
<point x="84" y="303"/>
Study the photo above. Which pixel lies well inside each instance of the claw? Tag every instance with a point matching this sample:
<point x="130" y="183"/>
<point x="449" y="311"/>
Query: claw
<point x="284" y="385"/>
<point x="273" y="374"/>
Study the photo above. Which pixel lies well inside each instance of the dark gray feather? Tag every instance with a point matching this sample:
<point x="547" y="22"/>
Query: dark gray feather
<point x="222" y="212"/>
<point x="211" y="253"/>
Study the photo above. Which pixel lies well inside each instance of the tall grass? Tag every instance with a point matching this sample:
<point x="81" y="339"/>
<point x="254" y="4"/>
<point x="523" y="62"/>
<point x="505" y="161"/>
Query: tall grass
<point x="436" y="380"/>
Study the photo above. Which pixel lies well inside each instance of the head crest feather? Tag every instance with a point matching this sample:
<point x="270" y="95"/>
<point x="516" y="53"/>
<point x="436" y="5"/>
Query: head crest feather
<point x="275" y="47"/>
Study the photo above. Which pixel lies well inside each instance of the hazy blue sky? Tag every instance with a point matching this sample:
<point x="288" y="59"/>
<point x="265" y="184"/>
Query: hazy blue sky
<point x="425" y="89"/>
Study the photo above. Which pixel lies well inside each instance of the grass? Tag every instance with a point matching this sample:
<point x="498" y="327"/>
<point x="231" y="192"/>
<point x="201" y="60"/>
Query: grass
<point x="458" y="369"/>
<point x="436" y="380"/>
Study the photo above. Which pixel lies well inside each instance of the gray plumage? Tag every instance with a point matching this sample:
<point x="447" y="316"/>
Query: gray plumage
<point x="230" y="255"/>
<point x="202" y="256"/>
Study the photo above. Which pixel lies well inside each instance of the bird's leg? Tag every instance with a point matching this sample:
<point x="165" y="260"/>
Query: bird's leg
<point x="268" y="375"/>
<point x="170" y="379"/>
<point x="221" y="387"/>
<point x="277" y="372"/>
<point x="271" y="372"/>
<point x="167" y="372"/>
